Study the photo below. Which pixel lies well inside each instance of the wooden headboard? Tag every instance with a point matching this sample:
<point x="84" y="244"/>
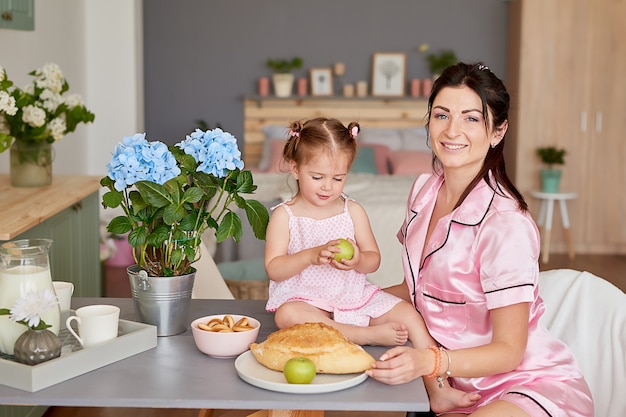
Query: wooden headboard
<point x="369" y="112"/>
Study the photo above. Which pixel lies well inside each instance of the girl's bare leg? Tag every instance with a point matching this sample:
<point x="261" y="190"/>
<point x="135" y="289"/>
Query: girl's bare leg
<point x="385" y="333"/>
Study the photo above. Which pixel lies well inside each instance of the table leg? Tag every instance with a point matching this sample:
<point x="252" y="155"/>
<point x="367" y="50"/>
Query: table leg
<point x="205" y="412"/>
<point x="547" y="231"/>
<point x="288" y="413"/>
<point x="566" y="229"/>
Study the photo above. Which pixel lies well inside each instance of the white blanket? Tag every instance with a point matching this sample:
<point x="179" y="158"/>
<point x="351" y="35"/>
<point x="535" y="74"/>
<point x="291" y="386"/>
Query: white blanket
<point x="588" y="313"/>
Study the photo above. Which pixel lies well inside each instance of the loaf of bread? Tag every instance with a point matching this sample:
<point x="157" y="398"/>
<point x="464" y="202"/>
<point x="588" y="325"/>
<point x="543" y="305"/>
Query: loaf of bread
<point x="331" y="352"/>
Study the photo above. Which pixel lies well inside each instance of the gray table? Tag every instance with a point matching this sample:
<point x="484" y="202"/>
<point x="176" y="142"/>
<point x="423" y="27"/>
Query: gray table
<point x="177" y="375"/>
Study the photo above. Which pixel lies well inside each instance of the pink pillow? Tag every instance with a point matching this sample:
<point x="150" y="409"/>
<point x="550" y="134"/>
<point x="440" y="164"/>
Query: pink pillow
<point x="381" y="157"/>
<point x="277" y="163"/>
<point x="408" y="162"/>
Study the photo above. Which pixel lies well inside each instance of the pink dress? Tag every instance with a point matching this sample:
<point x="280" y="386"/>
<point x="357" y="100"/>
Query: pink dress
<point x="482" y="256"/>
<point x="347" y="294"/>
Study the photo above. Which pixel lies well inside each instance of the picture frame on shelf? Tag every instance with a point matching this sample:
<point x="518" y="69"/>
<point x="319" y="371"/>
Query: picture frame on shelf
<point x="321" y="81"/>
<point x="389" y="74"/>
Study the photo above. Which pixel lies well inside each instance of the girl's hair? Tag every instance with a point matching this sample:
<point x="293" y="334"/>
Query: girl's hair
<point x="309" y="138"/>
<point x="494" y="96"/>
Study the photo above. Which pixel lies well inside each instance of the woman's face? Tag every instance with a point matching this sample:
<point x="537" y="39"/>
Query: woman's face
<point x="458" y="133"/>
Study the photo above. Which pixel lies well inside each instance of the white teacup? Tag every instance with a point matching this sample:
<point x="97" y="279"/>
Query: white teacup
<point x="64" y="291"/>
<point x="96" y="324"/>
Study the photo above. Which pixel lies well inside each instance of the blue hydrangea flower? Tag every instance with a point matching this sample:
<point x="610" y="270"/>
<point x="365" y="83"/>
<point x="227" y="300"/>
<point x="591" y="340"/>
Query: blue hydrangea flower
<point x="136" y="159"/>
<point x="216" y="151"/>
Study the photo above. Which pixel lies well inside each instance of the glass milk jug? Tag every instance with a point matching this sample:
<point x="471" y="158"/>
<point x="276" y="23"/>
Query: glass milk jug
<point x="24" y="267"/>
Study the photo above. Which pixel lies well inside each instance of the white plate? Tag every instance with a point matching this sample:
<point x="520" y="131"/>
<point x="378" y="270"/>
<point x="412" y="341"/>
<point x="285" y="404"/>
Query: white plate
<point x="258" y="375"/>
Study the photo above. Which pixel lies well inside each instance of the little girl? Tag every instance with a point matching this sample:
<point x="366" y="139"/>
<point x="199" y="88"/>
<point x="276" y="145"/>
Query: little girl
<point x="306" y="283"/>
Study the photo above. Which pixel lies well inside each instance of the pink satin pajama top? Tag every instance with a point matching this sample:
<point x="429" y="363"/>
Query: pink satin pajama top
<point x="482" y="256"/>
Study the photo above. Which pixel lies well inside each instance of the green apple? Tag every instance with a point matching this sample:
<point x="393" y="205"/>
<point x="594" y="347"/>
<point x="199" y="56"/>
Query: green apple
<point x="346" y="252"/>
<point x="299" y="370"/>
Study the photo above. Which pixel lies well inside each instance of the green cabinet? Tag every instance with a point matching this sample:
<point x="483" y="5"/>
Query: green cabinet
<point x="75" y="253"/>
<point x="74" y="257"/>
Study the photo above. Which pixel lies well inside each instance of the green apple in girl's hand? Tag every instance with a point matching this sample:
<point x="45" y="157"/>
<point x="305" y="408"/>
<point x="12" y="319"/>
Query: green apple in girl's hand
<point x="346" y="252"/>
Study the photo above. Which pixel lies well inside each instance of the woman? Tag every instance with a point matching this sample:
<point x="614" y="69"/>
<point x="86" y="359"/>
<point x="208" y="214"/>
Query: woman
<point x="470" y="254"/>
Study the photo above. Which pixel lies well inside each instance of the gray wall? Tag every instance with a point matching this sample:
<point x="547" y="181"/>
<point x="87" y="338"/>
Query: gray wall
<point x="203" y="56"/>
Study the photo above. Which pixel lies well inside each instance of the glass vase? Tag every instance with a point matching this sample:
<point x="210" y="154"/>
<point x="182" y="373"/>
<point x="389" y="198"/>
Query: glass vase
<point x="36" y="346"/>
<point x="24" y="267"/>
<point x="31" y="163"/>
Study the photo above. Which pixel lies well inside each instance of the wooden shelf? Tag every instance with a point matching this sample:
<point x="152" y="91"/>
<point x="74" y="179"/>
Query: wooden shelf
<point x="390" y="112"/>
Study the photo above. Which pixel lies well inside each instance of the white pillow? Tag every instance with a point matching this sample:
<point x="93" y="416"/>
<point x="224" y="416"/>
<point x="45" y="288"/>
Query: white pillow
<point x="415" y="139"/>
<point x="382" y="136"/>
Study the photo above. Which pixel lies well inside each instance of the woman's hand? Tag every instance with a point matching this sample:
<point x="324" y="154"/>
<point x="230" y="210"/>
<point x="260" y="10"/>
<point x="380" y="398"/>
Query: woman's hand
<point x="402" y="364"/>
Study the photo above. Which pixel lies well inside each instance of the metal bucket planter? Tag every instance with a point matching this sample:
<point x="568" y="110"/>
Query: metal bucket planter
<point x="161" y="301"/>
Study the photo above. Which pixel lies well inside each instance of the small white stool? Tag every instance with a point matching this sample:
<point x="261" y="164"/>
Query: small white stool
<point x="545" y="219"/>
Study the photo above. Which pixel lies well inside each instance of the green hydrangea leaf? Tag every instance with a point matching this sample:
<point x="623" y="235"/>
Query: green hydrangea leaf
<point x="258" y="217"/>
<point x="119" y="225"/>
<point x="229" y="227"/>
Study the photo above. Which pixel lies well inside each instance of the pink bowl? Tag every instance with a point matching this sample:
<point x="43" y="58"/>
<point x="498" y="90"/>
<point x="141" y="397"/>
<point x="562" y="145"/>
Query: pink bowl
<point x="224" y="345"/>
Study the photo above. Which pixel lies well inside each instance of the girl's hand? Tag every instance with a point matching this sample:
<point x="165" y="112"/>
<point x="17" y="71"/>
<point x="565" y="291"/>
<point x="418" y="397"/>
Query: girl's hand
<point x="401" y="364"/>
<point x="345" y="264"/>
<point x="322" y="255"/>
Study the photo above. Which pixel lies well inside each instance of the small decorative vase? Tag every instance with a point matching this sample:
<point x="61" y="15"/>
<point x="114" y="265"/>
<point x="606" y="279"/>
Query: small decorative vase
<point x="161" y="301"/>
<point x="550" y="180"/>
<point x="31" y="163"/>
<point x="36" y="346"/>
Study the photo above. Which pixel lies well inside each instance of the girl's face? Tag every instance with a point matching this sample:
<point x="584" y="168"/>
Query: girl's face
<point x="321" y="179"/>
<point x="458" y="133"/>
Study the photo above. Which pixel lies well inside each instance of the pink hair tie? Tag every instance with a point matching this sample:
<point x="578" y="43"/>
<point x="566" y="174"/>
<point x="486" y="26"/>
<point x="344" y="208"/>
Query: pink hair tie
<point x="355" y="131"/>
<point x="293" y="133"/>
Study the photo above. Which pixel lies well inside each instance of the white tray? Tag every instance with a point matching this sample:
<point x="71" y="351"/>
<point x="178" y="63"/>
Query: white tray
<point x="74" y="360"/>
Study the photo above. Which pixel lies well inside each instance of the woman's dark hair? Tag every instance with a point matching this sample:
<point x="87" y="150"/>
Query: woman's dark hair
<point x="494" y="96"/>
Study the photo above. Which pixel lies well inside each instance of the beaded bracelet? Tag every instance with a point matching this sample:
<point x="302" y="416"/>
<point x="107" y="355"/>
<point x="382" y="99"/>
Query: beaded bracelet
<point x="440" y="379"/>
<point x="435" y="371"/>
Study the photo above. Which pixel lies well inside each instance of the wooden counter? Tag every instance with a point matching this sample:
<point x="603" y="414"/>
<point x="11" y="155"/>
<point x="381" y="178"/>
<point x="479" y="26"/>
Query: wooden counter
<point x="23" y="208"/>
<point x="68" y="212"/>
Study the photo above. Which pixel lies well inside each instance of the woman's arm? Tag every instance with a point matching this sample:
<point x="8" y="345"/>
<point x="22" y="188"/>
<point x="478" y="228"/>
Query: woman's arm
<point x="503" y="354"/>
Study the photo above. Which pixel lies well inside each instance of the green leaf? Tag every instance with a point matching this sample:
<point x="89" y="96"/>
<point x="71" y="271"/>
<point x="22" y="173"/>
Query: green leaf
<point x="258" y="217"/>
<point x="192" y="195"/>
<point x="188" y="222"/>
<point x="245" y="183"/>
<point x="154" y="194"/>
<point x="173" y="213"/>
<point x="112" y="199"/>
<point x="177" y="256"/>
<point x="138" y="236"/>
<point x="4" y="311"/>
<point x="137" y="201"/>
<point x="160" y="234"/>
<point x="230" y="227"/>
<point x="119" y="225"/>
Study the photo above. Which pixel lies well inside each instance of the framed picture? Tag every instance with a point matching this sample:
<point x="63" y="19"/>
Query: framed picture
<point x="388" y="74"/>
<point x="321" y="82"/>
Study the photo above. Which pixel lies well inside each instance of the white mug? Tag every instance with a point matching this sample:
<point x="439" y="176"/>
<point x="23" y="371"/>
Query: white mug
<point x="96" y="324"/>
<point x="64" y="291"/>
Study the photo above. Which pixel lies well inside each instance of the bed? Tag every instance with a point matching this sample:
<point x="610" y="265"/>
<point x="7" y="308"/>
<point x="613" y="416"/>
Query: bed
<point x="387" y="163"/>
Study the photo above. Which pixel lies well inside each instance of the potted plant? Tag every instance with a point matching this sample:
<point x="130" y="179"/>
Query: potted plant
<point x="283" y="77"/>
<point x="33" y="118"/>
<point x="170" y="196"/>
<point x="437" y="62"/>
<point x="551" y="176"/>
